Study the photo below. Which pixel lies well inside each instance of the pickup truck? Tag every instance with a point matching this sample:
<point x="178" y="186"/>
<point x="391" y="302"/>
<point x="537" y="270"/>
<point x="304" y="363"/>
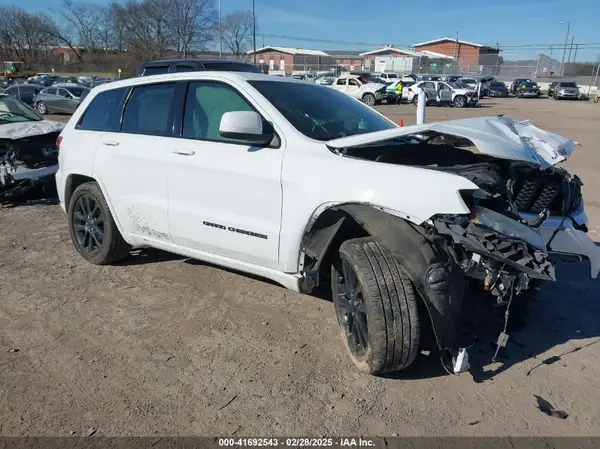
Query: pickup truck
<point x="358" y="87"/>
<point x="303" y="185"/>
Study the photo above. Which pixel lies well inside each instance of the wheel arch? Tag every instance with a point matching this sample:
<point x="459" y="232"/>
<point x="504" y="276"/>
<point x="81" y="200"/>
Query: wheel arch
<point x="74" y="180"/>
<point x="437" y="279"/>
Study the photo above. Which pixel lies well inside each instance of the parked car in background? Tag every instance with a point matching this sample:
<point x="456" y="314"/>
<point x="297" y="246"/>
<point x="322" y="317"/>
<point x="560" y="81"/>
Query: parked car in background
<point x="468" y="81"/>
<point x="429" y="77"/>
<point x="24" y="92"/>
<point x="42" y="80"/>
<point x="451" y="78"/>
<point x="194" y="65"/>
<point x="66" y="80"/>
<point x="390" y="91"/>
<point x="551" y="88"/>
<point x="388" y="76"/>
<point x="359" y="87"/>
<point x="513" y="86"/>
<point x="485" y="83"/>
<point x="100" y="81"/>
<point x="497" y="89"/>
<point x="63" y="98"/>
<point x="566" y="90"/>
<point x="439" y="92"/>
<point x="528" y="89"/>
<point x="325" y="80"/>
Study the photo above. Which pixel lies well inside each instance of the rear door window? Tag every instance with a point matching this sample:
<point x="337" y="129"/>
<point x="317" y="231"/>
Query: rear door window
<point x="149" y="110"/>
<point x="103" y="112"/>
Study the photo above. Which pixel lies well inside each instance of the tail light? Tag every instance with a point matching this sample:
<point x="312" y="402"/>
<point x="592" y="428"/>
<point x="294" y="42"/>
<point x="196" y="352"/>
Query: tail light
<point x="58" y="142"/>
<point x="409" y="89"/>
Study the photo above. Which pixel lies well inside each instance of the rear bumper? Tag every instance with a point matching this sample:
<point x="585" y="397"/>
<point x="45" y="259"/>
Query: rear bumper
<point x="60" y="188"/>
<point x="569" y="96"/>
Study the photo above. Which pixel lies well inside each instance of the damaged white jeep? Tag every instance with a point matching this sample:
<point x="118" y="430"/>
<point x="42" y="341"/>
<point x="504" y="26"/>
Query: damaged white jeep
<point x="304" y="185"/>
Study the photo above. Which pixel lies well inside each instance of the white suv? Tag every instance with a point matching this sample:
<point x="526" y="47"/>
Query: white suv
<point x="302" y="184"/>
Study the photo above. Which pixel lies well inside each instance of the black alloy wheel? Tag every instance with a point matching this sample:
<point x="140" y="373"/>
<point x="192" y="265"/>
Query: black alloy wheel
<point x="351" y="312"/>
<point x="88" y="224"/>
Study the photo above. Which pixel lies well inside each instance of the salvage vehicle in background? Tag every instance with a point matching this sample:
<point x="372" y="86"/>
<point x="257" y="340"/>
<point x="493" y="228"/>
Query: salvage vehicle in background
<point x="62" y="98"/>
<point x="516" y="82"/>
<point x="439" y="92"/>
<point x="309" y="186"/>
<point x="359" y="88"/>
<point x="28" y="154"/>
<point x="497" y="89"/>
<point x="528" y="89"/>
<point x="566" y="90"/>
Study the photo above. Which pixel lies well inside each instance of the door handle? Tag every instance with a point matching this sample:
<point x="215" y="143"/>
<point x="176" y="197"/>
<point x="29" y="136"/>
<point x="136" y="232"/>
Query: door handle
<point x="184" y="152"/>
<point x="110" y="143"/>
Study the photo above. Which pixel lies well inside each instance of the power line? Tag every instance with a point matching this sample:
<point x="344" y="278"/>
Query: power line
<point x="584" y="45"/>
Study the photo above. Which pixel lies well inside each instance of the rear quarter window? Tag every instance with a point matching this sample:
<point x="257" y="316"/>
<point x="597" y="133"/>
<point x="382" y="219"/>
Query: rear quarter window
<point x="102" y="113"/>
<point x="155" y="70"/>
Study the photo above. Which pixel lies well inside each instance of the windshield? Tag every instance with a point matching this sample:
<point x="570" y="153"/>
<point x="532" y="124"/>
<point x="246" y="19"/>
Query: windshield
<point x="498" y="84"/>
<point x="13" y="111"/>
<point x="568" y="85"/>
<point x="468" y="81"/>
<point x="320" y="112"/>
<point x="528" y="85"/>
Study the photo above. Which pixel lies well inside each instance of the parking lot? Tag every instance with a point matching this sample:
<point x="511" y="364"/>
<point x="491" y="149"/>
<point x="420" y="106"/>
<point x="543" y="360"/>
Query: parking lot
<point x="160" y="344"/>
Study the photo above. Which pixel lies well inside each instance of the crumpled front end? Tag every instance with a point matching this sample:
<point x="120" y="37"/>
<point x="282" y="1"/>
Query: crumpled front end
<point x="26" y="163"/>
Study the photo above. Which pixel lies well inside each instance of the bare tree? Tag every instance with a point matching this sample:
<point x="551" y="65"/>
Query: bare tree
<point x="236" y="31"/>
<point x="24" y="34"/>
<point x="83" y="20"/>
<point x="192" y="23"/>
<point x="146" y="27"/>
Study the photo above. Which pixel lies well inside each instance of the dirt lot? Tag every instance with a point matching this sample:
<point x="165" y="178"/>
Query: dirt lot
<point x="161" y="345"/>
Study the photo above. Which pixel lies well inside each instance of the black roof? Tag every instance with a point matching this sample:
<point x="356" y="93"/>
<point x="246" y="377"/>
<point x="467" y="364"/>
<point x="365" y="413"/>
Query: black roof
<point x="191" y="61"/>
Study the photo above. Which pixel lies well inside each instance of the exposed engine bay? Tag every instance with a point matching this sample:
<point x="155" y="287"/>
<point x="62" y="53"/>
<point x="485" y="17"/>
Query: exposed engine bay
<point x="28" y="158"/>
<point x="526" y="216"/>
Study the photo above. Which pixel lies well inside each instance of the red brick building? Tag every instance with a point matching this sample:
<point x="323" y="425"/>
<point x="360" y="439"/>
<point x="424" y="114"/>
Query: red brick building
<point x="468" y="54"/>
<point x="287" y="59"/>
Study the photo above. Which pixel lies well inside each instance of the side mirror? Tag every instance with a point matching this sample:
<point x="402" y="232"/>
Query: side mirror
<point x="246" y="126"/>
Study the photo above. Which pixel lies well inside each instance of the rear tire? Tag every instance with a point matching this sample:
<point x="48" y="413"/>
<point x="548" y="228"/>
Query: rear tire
<point x="41" y="108"/>
<point x="93" y="230"/>
<point x="371" y="291"/>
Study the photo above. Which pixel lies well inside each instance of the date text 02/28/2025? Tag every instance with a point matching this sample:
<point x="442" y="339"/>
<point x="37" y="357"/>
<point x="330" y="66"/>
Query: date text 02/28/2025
<point x="295" y="442"/>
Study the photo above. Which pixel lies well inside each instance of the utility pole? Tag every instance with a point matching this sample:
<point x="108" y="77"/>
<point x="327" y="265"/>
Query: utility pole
<point x="562" y="63"/>
<point x="220" y="34"/>
<point x="570" y="49"/>
<point x="254" y="27"/>
<point x="575" y="55"/>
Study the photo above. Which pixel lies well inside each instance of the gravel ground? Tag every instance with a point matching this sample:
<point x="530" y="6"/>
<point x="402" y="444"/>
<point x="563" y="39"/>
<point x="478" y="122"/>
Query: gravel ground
<point x="163" y="345"/>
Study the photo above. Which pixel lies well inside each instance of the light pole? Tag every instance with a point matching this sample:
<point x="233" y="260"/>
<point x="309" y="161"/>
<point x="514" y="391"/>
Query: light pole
<point x="254" y="28"/>
<point x="562" y="63"/>
<point x="570" y="49"/>
<point x="220" y="34"/>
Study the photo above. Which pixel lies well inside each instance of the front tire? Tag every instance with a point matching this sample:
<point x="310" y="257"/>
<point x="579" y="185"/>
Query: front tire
<point x="93" y="230"/>
<point x="376" y="307"/>
<point x="460" y="101"/>
<point x="369" y="99"/>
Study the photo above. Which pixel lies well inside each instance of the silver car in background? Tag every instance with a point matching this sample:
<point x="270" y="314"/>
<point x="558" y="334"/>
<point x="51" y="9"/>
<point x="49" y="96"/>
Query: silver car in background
<point x="566" y="90"/>
<point x="62" y="98"/>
